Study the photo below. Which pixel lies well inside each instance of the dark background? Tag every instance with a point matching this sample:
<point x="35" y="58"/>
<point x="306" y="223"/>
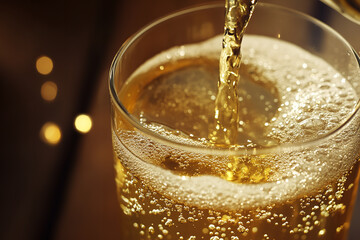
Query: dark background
<point x="67" y="191"/>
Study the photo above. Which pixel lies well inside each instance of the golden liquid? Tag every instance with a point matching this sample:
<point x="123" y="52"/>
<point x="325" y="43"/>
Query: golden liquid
<point x="237" y="16"/>
<point x="150" y="215"/>
<point x="152" y="209"/>
<point x="158" y="205"/>
<point x="229" y="110"/>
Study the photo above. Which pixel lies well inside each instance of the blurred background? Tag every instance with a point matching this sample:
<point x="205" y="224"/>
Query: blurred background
<point x="56" y="173"/>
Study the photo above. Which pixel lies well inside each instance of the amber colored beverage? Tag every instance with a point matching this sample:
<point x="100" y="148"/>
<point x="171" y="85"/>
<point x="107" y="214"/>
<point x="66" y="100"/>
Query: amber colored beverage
<point x="296" y="171"/>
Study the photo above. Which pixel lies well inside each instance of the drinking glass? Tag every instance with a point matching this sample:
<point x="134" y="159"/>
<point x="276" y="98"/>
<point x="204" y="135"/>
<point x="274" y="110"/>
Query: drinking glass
<point x="173" y="183"/>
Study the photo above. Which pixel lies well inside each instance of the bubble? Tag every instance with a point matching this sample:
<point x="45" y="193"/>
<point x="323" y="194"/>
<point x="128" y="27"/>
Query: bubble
<point x="205" y="230"/>
<point x="339" y="229"/>
<point x="322" y="232"/>
<point x="211" y="227"/>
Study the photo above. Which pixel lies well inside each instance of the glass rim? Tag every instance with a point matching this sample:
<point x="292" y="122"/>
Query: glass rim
<point x="282" y="147"/>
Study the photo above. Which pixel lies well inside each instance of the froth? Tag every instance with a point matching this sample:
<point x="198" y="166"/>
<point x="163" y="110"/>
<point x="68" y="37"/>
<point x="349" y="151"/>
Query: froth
<point x="314" y="96"/>
<point x="204" y="190"/>
<point x="315" y="99"/>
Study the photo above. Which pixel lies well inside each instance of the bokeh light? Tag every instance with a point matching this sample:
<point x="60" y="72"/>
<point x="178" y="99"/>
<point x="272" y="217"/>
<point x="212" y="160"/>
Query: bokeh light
<point x="49" y="91"/>
<point x="44" y="65"/>
<point x="83" y="123"/>
<point x="50" y="133"/>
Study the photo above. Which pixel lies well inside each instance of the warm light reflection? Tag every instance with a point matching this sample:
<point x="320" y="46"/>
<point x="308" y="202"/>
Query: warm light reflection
<point x="44" y="65"/>
<point x="83" y="123"/>
<point x="49" y="91"/>
<point x="50" y="133"/>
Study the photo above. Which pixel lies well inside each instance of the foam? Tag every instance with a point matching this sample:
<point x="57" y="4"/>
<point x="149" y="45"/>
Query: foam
<point x="314" y="99"/>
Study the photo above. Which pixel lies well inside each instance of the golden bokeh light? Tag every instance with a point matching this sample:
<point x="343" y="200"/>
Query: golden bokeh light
<point x="50" y="133"/>
<point x="83" y="123"/>
<point x="49" y="91"/>
<point x="44" y="65"/>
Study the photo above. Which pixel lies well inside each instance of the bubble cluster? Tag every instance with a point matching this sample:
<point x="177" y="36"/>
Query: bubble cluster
<point x="318" y="216"/>
<point x="314" y="97"/>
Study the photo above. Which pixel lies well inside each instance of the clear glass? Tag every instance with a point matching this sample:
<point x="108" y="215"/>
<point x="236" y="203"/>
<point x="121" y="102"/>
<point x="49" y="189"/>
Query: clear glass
<point x="173" y="187"/>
